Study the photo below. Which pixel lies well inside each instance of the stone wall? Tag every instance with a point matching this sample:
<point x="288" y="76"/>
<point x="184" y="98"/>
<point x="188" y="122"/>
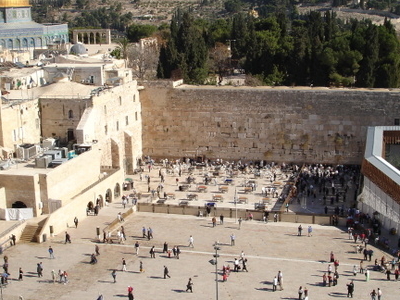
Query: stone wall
<point x="274" y="124"/>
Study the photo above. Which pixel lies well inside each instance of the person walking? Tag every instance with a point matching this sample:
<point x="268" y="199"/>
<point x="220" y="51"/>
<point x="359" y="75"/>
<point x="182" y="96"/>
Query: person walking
<point x="152" y="252"/>
<point x="165" y="248"/>
<point x="221" y="219"/>
<point x="123" y="265"/>
<point x="51" y="252"/>
<point x="166" y="272"/>
<point x="240" y="222"/>
<point x="350" y="289"/>
<point x="114" y="275"/>
<point x="141" y="270"/>
<point x="97" y="250"/>
<point x="244" y="265"/>
<point x="233" y="239"/>
<point x="130" y="293"/>
<point x="309" y="231"/>
<point x="67" y="238"/>
<point x="144" y="232"/>
<point x="361" y="267"/>
<point x="189" y="286"/>
<point x="191" y="240"/>
<point x="214" y="221"/>
<point x="373" y="295"/>
<point x="76" y="222"/>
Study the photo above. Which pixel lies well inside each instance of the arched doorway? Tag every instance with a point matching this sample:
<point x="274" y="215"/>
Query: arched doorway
<point x="117" y="190"/>
<point x="19" y="204"/>
<point x="109" y="196"/>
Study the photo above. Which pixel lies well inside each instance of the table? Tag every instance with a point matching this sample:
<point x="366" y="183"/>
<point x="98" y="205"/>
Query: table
<point x="266" y="200"/>
<point x="248" y="190"/>
<point x="242" y="200"/>
<point x="183" y="203"/>
<point x="192" y="196"/>
<point x="171" y="196"/>
<point x="223" y="189"/>
<point x="202" y="188"/>
<point x="218" y="198"/>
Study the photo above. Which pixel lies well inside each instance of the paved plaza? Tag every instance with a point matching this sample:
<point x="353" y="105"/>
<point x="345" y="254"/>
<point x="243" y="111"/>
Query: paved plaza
<point x="269" y="248"/>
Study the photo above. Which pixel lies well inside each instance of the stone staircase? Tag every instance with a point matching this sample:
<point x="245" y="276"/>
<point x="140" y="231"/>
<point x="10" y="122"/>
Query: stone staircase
<point x="30" y="232"/>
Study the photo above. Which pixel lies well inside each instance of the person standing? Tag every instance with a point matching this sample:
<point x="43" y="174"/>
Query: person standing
<point x="240" y="222"/>
<point x="166" y="272"/>
<point x="165" y="248"/>
<point x="130" y="293"/>
<point x="305" y="293"/>
<point x="233" y="239"/>
<point x="361" y="267"/>
<point x="388" y="274"/>
<point x="221" y="219"/>
<point x="178" y="251"/>
<point x="189" y="286"/>
<point x="114" y="275"/>
<point x="137" y="246"/>
<point x="76" y="222"/>
<point x="21" y="274"/>
<point x="379" y="293"/>
<point x="51" y="252"/>
<point x="280" y="280"/>
<point x="39" y="269"/>
<point x="191" y="240"/>
<point x="97" y="250"/>
<point x="373" y="295"/>
<point x="53" y="276"/>
<point x="299" y="230"/>
<point x="214" y="221"/>
<point x="274" y="284"/>
<point x="141" y="270"/>
<point x="67" y="238"/>
<point x="310" y="230"/>
<point x="244" y="264"/>
<point x="144" y="232"/>
<point x="367" y="275"/>
<point x="123" y="265"/>
<point x="350" y="289"/>
<point x="300" y="292"/>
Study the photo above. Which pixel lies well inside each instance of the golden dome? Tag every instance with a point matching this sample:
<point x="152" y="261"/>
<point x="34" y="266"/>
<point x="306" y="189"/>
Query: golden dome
<point x="14" y="3"/>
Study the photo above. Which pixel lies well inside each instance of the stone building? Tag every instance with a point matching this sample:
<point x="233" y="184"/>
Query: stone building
<point x="71" y="143"/>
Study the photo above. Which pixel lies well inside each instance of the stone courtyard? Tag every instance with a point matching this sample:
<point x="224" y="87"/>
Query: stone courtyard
<point x="269" y="247"/>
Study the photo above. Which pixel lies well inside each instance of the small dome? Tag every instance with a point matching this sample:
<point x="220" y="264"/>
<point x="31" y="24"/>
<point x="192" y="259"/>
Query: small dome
<point x="14" y="3"/>
<point x="78" y="49"/>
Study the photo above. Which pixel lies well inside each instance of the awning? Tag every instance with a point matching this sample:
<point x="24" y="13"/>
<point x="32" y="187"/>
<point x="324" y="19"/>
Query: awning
<point x="129" y="179"/>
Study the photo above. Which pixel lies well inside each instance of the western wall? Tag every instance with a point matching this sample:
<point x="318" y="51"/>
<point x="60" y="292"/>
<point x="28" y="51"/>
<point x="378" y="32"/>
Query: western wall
<point x="252" y="123"/>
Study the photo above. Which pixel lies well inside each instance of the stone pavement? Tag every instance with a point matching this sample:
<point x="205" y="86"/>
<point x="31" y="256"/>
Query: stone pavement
<point x="268" y="247"/>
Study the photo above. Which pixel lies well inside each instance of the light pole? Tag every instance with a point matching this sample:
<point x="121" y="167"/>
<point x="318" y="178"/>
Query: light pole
<point x="216" y="255"/>
<point x="235" y="200"/>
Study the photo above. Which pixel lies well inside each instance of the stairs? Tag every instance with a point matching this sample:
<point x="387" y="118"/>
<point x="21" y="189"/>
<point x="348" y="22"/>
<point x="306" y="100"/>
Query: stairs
<point x="29" y="233"/>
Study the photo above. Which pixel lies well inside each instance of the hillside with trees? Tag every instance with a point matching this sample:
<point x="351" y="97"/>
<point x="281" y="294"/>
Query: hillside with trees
<point x="275" y="42"/>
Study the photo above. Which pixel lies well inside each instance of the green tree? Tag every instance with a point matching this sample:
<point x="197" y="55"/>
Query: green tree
<point x="135" y="32"/>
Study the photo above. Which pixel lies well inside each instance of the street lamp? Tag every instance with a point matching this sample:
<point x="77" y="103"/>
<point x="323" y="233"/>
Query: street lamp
<point x="215" y="262"/>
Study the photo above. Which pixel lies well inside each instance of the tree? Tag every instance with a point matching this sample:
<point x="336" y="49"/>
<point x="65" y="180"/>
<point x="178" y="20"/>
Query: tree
<point x="143" y="59"/>
<point x="136" y="32"/>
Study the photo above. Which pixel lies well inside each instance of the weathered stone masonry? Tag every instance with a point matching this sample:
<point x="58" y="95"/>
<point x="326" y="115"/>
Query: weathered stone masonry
<point x="281" y="125"/>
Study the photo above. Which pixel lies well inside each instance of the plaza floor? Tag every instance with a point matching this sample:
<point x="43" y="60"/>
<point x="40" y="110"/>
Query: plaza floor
<point x="268" y="247"/>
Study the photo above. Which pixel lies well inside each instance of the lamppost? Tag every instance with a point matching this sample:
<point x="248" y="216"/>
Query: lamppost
<point x="235" y="200"/>
<point x="215" y="262"/>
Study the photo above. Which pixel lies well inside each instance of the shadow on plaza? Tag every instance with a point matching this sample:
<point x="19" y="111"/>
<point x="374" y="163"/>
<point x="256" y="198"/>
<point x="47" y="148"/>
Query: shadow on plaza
<point x="178" y="291"/>
<point x="336" y="294"/>
<point x="121" y="295"/>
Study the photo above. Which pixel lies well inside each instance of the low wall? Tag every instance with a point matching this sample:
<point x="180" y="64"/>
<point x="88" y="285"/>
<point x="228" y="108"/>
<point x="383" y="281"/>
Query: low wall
<point x="231" y="213"/>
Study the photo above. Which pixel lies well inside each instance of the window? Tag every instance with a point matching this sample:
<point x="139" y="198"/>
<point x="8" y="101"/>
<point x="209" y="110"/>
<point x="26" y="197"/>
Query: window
<point x="105" y="130"/>
<point x="396" y="122"/>
<point x="134" y="97"/>
<point x="136" y="115"/>
<point x="117" y="126"/>
<point x="105" y="109"/>
<point x="126" y="121"/>
<point x="37" y="123"/>
<point x="120" y="100"/>
<point x="70" y="114"/>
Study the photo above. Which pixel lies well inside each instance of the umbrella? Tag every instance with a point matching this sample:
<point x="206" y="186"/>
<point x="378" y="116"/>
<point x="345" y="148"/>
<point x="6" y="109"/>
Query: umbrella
<point x="128" y="179"/>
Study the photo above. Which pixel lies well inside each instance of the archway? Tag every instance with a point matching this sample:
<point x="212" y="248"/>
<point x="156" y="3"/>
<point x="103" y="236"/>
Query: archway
<point x="117" y="190"/>
<point x="19" y="204"/>
<point x="109" y="196"/>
